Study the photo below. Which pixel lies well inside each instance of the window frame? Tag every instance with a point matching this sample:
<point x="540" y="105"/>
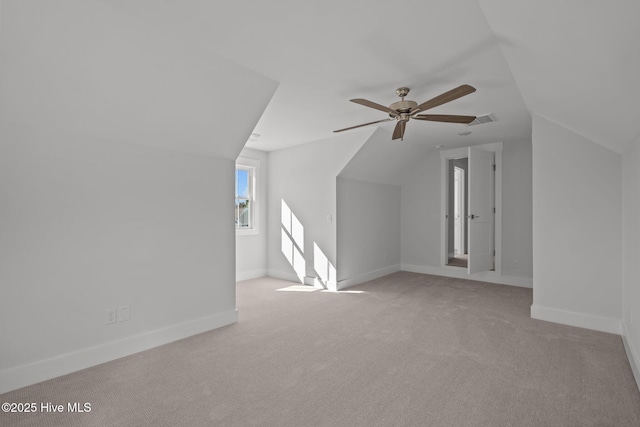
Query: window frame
<point x="253" y="167"/>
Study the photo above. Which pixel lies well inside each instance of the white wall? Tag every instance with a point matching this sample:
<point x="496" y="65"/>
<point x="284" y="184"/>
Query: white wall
<point x="577" y="228"/>
<point x="304" y="177"/>
<point x="89" y="225"/>
<point x="251" y="249"/>
<point x="420" y="212"/>
<point x="517" y="215"/>
<point x="100" y="204"/>
<point x="631" y="253"/>
<point x="368" y="230"/>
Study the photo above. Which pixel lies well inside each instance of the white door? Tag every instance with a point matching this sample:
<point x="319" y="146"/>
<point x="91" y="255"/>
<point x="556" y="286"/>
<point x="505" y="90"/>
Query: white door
<point x="480" y="210"/>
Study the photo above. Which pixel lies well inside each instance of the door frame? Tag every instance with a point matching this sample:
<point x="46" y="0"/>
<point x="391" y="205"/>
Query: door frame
<point x="456" y="153"/>
<point x="461" y="187"/>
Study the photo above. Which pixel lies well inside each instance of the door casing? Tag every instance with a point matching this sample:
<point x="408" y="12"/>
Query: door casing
<point x="456" y="153"/>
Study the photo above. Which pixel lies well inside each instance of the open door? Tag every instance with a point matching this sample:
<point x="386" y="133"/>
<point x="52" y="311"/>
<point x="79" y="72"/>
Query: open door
<point x="480" y="225"/>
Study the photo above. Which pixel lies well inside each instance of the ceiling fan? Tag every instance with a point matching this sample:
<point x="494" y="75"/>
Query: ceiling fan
<point x="402" y="111"/>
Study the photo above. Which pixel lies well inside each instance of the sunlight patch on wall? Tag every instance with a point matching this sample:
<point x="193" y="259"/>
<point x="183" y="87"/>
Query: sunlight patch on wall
<point x="292" y="240"/>
<point x="292" y="247"/>
<point x="325" y="270"/>
<point x="292" y="225"/>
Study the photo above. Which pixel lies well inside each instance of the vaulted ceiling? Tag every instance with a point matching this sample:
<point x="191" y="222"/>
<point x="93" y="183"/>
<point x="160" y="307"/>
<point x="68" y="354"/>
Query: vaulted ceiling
<point x="325" y="53"/>
<point x="196" y="68"/>
<point x="575" y="62"/>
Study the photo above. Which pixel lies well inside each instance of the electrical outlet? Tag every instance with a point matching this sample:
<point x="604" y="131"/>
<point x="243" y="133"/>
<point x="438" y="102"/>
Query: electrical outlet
<point x="110" y="316"/>
<point x="123" y="313"/>
<point x="514" y="263"/>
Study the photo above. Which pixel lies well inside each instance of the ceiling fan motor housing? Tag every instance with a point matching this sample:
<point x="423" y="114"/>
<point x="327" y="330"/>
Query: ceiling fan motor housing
<point x="403" y="106"/>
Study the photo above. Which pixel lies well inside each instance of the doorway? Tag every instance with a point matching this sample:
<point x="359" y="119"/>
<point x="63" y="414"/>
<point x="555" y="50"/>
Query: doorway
<point x="457" y="252"/>
<point x="471" y="204"/>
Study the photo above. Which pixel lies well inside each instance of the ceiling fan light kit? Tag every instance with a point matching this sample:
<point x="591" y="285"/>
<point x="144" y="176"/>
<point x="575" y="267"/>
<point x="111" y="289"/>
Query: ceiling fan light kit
<point x="402" y="111"/>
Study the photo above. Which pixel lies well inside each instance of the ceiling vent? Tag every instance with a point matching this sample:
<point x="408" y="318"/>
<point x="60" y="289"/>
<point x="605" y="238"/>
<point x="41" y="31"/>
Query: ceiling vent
<point x="480" y="120"/>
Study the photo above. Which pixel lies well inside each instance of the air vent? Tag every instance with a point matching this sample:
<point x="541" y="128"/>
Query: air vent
<point x="480" y="120"/>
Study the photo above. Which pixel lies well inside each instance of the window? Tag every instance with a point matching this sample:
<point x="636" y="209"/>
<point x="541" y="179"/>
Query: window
<point x="246" y="207"/>
<point x="244" y="197"/>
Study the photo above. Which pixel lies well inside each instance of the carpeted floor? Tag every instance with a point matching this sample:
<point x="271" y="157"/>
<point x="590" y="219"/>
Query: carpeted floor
<point x="404" y="350"/>
<point x="458" y="261"/>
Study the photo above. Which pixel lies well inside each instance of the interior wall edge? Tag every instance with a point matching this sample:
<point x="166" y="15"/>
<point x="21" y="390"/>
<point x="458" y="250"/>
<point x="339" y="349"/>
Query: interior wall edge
<point x="365" y="277"/>
<point x="632" y="354"/>
<point x="283" y="275"/>
<point x="248" y="275"/>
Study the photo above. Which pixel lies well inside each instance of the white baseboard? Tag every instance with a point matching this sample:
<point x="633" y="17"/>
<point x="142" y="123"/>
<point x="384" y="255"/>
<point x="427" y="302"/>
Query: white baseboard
<point x="632" y="354"/>
<point x="581" y="320"/>
<point x="248" y="275"/>
<point x="461" y="273"/>
<point x="365" y="277"/>
<point x="22" y="376"/>
<point x="306" y="280"/>
<point x="290" y="277"/>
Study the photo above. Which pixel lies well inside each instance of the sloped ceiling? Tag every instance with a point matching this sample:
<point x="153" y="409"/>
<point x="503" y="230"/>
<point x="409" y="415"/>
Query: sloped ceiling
<point x="384" y="162"/>
<point x="576" y="62"/>
<point x="325" y="53"/>
<point x="196" y="75"/>
<point x="83" y="67"/>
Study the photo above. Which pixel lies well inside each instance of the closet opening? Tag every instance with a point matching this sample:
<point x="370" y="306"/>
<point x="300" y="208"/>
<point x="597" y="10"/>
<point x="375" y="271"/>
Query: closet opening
<point x="471" y="205"/>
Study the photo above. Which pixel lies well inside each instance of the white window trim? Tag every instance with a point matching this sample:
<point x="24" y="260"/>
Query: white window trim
<point x="254" y="166"/>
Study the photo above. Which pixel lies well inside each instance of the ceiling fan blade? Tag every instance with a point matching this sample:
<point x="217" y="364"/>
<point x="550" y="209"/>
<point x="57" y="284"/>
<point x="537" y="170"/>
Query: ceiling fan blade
<point x="364" y="124"/>
<point x="449" y="96"/>
<point x="445" y="118"/>
<point x="398" y="132"/>
<point x="371" y="104"/>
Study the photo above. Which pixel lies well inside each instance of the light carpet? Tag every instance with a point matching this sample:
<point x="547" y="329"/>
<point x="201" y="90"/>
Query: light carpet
<point x="403" y="350"/>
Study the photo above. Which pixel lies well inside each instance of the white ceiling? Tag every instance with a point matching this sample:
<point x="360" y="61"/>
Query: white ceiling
<point x="576" y="62"/>
<point x="162" y="71"/>
<point x="325" y="53"/>
<point x="83" y="67"/>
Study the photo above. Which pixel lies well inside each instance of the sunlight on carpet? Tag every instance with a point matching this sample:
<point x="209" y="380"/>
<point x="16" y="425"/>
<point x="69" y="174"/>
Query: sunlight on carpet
<point x="305" y="288"/>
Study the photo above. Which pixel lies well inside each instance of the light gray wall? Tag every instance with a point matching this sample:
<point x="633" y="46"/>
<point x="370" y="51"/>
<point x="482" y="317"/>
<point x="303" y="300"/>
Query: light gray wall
<point x="304" y="177"/>
<point x="368" y="229"/>
<point x="517" y="215"/>
<point x="101" y="204"/>
<point x="89" y="225"/>
<point x="577" y="227"/>
<point x="251" y="249"/>
<point x="420" y="212"/>
<point x="631" y="252"/>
